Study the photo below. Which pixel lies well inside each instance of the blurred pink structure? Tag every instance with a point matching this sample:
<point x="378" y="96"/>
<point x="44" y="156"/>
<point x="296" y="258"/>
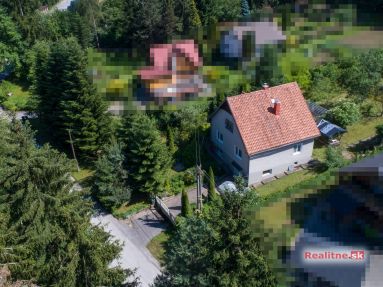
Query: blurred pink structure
<point x="174" y="74"/>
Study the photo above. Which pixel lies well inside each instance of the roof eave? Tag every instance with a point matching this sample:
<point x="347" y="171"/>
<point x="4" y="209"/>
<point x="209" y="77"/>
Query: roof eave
<point x="277" y="147"/>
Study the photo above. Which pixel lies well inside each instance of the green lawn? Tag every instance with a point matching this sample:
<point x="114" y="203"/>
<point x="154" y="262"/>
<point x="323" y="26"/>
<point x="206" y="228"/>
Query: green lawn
<point x="127" y="210"/>
<point x="20" y="99"/>
<point x="360" y="131"/>
<point x="83" y="174"/>
<point x="156" y="245"/>
<point x="281" y="184"/>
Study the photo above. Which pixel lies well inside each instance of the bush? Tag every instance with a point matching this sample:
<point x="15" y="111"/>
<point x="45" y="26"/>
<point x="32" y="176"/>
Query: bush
<point x="189" y="176"/>
<point x="186" y="209"/>
<point x="344" y="114"/>
<point x="334" y="157"/>
<point x="379" y="131"/>
<point x="370" y="108"/>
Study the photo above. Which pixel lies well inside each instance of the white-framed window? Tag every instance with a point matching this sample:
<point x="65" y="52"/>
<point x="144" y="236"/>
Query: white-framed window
<point x="219" y="137"/>
<point x="267" y="172"/>
<point x="297" y="148"/>
<point x="238" y="152"/>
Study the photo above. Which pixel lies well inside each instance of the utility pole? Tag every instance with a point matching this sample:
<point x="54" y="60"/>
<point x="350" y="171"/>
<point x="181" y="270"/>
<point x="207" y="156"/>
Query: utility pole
<point x="199" y="187"/>
<point x="71" y="144"/>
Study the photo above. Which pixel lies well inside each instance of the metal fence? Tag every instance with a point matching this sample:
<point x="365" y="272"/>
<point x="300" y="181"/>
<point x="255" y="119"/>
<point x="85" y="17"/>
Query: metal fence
<point x="165" y="210"/>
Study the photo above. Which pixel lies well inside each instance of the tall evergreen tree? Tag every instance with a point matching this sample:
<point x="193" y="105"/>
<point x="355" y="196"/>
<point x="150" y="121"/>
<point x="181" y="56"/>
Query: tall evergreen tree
<point x="67" y="100"/>
<point x="168" y="18"/>
<point x="11" y="43"/>
<point x="191" y="19"/>
<point x="48" y="225"/>
<point x="211" y="192"/>
<point x="186" y="209"/>
<point x="147" y="156"/>
<point x="217" y="249"/>
<point x="172" y="146"/>
<point x="245" y="10"/>
<point x="110" y="183"/>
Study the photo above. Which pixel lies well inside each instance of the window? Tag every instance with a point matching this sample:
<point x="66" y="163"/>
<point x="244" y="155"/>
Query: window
<point x="297" y="148"/>
<point x="229" y="125"/>
<point x="267" y="172"/>
<point x="238" y="152"/>
<point x="219" y="137"/>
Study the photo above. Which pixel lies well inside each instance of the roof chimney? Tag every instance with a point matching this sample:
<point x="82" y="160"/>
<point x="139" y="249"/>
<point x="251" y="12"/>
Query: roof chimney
<point x="265" y="86"/>
<point x="277" y="107"/>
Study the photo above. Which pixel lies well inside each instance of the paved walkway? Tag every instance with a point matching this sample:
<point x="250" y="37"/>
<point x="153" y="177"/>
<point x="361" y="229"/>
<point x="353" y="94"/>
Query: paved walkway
<point x="136" y="232"/>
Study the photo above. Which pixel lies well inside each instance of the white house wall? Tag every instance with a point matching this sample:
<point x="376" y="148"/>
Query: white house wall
<point x="278" y="160"/>
<point x="230" y="140"/>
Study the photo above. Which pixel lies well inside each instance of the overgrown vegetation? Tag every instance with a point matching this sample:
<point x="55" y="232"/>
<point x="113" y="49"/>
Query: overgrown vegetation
<point x="47" y="60"/>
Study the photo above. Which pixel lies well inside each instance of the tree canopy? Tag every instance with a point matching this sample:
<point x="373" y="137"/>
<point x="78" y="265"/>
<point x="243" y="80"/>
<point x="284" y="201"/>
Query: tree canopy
<point x="47" y="224"/>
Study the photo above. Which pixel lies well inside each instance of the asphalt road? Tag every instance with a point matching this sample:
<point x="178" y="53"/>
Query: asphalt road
<point x="134" y="236"/>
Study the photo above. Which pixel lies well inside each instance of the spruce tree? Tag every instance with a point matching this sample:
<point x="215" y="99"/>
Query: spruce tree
<point x="211" y="192"/>
<point x="217" y="249"/>
<point x="110" y="179"/>
<point x="245" y="10"/>
<point x="67" y="100"/>
<point x="186" y="209"/>
<point x="191" y="17"/>
<point x="168" y="18"/>
<point x="147" y="158"/>
<point x="48" y="226"/>
<point x="172" y="146"/>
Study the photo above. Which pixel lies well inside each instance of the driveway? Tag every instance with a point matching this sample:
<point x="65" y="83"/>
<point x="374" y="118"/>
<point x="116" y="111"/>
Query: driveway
<point x="136" y="232"/>
<point x="134" y="236"/>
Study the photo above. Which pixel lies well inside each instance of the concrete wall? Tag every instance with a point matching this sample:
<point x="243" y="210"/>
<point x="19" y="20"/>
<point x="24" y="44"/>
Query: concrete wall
<point x="230" y="140"/>
<point x="278" y="160"/>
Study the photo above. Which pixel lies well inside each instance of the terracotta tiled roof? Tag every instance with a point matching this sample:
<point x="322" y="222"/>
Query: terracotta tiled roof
<point x="261" y="129"/>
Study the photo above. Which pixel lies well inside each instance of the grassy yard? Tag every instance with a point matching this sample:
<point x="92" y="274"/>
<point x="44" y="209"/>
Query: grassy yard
<point x="157" y="246"/>
<point x="83" y="174"/>
<point x="20" y="99"/>
<point x="285" y="182"/>
<point x="360" y="131"/>
<point x="127" y="210"/>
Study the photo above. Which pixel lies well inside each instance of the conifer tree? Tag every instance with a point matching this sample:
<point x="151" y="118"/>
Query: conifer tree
<point x="191" y="16"/>
<point x="147" y="157"/>
<point x="245" y="10"/>
<point x="67" y="100"/>
<point x="186" y="209"/>
<point x="172" y="146"/>
<point x="217" y="249"/>
<point x="110" y="183"/>
<point x="211" y="192"/>
<point x="168" y="18"/>
<point x="48" y="225"/>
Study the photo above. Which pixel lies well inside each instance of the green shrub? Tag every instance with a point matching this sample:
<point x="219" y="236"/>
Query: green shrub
<point x="379" y="131"/>
<point x="344" y="114"/>
<point x="177" y="184"/>
<point x="186" y="209"/>
<point x="370" y="108"/>
<point x="334" y="157"/>
<point x="189" y="176"/>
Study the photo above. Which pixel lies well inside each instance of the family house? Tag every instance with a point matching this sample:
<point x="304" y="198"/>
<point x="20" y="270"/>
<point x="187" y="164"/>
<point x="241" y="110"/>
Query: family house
<point x="264" y="133"/>
<point x="175" y="72"/>
<point x="261" y="34"/>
